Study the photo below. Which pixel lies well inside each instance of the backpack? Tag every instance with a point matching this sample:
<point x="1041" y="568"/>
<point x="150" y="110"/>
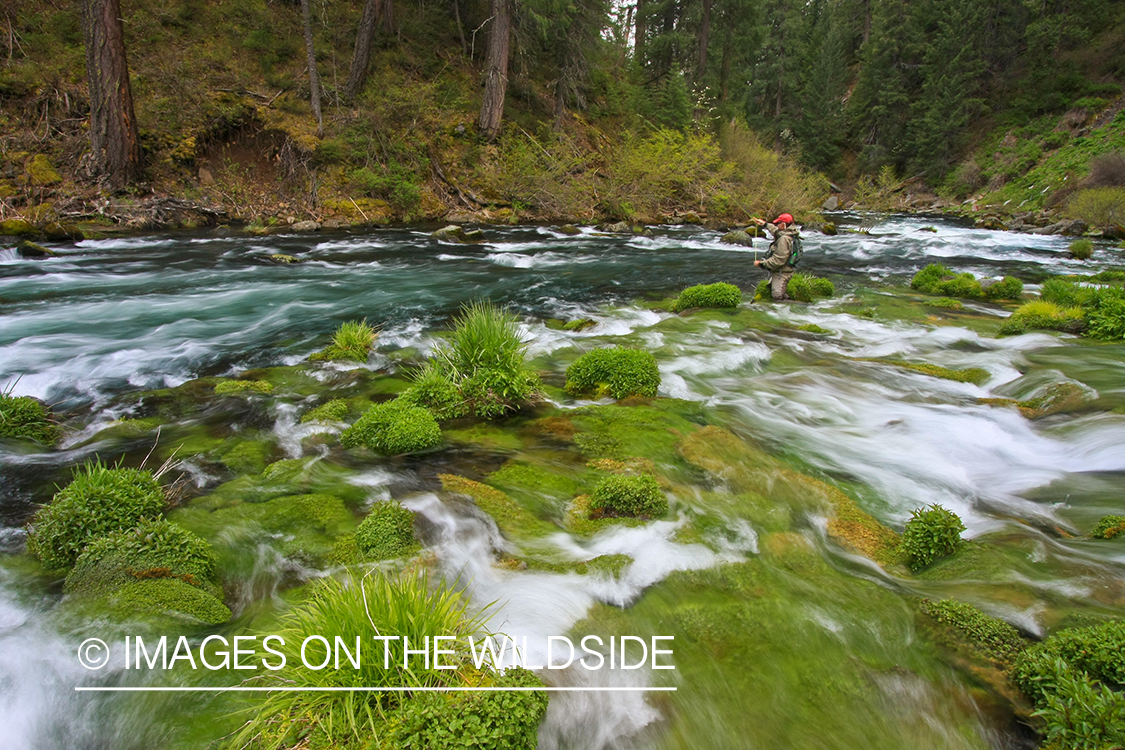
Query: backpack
<point x="795" y="253"/>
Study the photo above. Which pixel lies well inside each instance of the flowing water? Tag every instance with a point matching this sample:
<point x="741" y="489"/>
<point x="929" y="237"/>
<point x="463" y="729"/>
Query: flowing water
<point x="836" y="660"/>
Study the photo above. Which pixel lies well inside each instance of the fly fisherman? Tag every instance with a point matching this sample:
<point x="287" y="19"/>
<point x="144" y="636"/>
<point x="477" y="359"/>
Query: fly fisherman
<point x="777" y="262"/>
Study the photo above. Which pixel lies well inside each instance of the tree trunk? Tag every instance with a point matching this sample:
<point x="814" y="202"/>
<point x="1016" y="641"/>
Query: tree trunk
<point x="387" y="13"/>
<point x="357" y="76"/>
<point x="460" y="27"/>
<point x="314" y="77"/>
<point x="704" y="39"/>
<point x="496" y="70"/>
<point x="724" y="68"/>
<point x="866" y="21"/>
<point x="641" y="31"/>
<point x="115" y="145"/>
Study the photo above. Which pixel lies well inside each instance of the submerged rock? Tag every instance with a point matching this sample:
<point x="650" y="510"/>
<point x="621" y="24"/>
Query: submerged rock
<point x="568" y="229"/>
<point x="28" y="249"/>
<point x="450" y="233"/>
<point x="737" y="237"/>
<point x="305" y="226"/>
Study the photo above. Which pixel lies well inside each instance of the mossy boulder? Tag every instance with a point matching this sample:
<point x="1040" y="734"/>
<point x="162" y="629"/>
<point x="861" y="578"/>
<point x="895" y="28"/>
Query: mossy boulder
<point x="617" y="371"/>
<point x="169" y="597"/>
<point x="17" y="228"/>
<point x="331" y="411"/>
<point x="29" y="249"/>
<point x="387" y="532"/>
<point x="392" y="428"/>
<point x="708" y="295"/>
<point x="629" y="495"/>
<point x="27" y="418"/>
<point x="737" y="237"/>
<point x="229" y="387"/>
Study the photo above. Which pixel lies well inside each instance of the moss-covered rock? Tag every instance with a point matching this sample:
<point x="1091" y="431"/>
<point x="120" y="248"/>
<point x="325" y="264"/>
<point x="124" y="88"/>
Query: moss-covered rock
<point x="619" y="372"/>
<point x="512" y="519"/>
<point x="162" y="597"/>
<point x="387" y="532"/>
<point x="16" y="228"/>
<point x="629" y="495"/>
<point x="708" y="295"/>
<point x="27" y="418"/>
<point x="974" y="375"/>
<point x="228" y="387"/>
<point x="393" y="428"/>
<point x="331" y="411"/>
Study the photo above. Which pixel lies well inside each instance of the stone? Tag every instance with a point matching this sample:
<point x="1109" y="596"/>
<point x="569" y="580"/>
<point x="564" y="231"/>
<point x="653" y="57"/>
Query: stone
<point x="284" y="259"/>
<point x="450" y="233"/>
<point x="831" y="204"/>
<point x="829" y="228"/>
<point x="205" y="176"/>
<point x="16" y="227"/>
<point x="306" y="226"/>
<point x="690" y="217"/>
<point x="472" y="235"/>
<point x="619" y="227"/>
<point x="568" y="229"/>
<point x="28" y="249"/>
<point x="737" y="237"/>
<point x="1114" y="232"/>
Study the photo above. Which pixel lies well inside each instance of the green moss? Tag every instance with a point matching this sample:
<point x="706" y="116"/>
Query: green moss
<point x="486" y="435"/>
<point x="946" y="303"/>
<point x="974" y="375"/>
<point x="708" y="295"/>
<point x="163" y="596"/>
<point x="226" y="387"/>
<point x="623" y="495"/>
<point x="1008" y="287"/>
<point x="97" y="502"/>
<point x="41" y="172"/>
<point x="937" y="279"/>
<point x="248" y="456"/>
<point x="1108" y="527"/>
<point x="804" y="287"/>
<point x="963" y="626"/>
<point x="16" y="228"/>
<point x="1043" y="314"/>
<point x="618" y="371"/>
<point x="392" y="428"/>
<point x="519" y="477"/>
<point x="814" y="328"/>
<point x="387" y="532"/>
<point x="436" y="391"/>
<point x="332" y="411"/>
<point x="512" y="519"/>
<point x="27" y="418"/>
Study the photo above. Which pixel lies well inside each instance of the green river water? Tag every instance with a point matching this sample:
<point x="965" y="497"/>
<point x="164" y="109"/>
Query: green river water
<point x="787" y="635"/>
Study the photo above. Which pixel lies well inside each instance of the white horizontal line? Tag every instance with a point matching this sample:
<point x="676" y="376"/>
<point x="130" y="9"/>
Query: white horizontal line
<point x="286" y="689"/>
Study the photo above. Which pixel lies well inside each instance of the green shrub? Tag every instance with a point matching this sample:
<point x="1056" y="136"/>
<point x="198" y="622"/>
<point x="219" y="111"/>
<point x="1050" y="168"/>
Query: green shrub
<point x="621" y="372"/>
<point x="937" y="279"/>
<point x="1098" y="650"/>
<point x="351" y="341"/>
<point x="1099" y="207"/>
<point x="97" y="502"/>
<point x="1063" y="293"/>
<point x="227" y="387"/>
<point x="762" y="291"/>
<point x="1079" y="713"/>
<point x="624" y="495"/>
<point x="1106" y="319"/>
<point x="28" y="418"/>
<point x="154" y="549"/>
<point x="1109" y="527"/>
<point x="434" y="390"/>
<point x="1108" y="275"/>
<point x="1043" y="314"/>
<point x="1081" y="249"/>
<point x="947" y="303"/>
<point x="1008" y="287"/>
<point x="163" y="596"/>
<point x="708" y="295"/>
<point x="803" y="287"/>
<point x="387" y="532"/>
<point x="929" y="535"/>
<point x="332" y="411"/>
<point x="393" y="427"/>
<point x="996" y="638"/>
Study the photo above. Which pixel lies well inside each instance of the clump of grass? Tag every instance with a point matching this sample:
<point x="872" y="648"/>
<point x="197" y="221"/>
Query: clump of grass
<point x="629" y="495"/>
<point x="387" y="532"/>
<point x="1081" y="249"/>
<point x="227" y="387"/>
<point x="331" y="411"/>
<point x="351" y="341"/>
<point x="618" y="371"/>
<point x="1102" y="306"/>
<point x="27" y="418"/>
<point x="930" y="534"/>
<point x="937" y="279"/>
<point x="708" y="295"/>
<point x="393" y="428"/>
<point x="97" y="502"/>
<point x="946" y="303"/>
<point x="1044" y="314"/>
<point x="1109" y="527"/>
<point x="804" y="287"/>
<point x="1008" y="287"/>
<point x="482" y="370"/>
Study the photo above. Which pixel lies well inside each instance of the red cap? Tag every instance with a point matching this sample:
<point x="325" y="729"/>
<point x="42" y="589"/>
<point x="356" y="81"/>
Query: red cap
<point x="787" y="218"/>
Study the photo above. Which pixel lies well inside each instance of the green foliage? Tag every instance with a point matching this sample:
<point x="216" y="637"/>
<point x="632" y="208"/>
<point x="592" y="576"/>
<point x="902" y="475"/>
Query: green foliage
<point x="434" y="390"/>
<point x="621" y="372"/>
<point x="1098" y="207"/>
<point x="995" y="638"/>
<point x="1106" y="318"/>
<point x="351" y="341"/>
<point x="227" y="387"/>
<point x="393" y="427"/>
<point x="708" y="295"/>
<point x="1109" y="527"/>
<point x="396" y="184"/>
<point x="937" y="279"/>
<point x="27" y="418"/>
<point x="1099" y="651"/>
<point x="948" y="303"/>
<point x="625" y="495"/>
<point x="154" y="549"/>
<point x="387" y="532"/>
<point x="1044" y="314"/>
<point x="1080" y="714"/>
<point x="804" y="287"/>
<point x="1081" y="249"/>
<point x="1007" y="288"/>
<point x="163" y="596"/>
<point x="930" y="534"/>
<point x="1103" y="308"/>
<point x="813" y="328"/>
<point x="97" y="502"/>
<point x="331" y="411"/>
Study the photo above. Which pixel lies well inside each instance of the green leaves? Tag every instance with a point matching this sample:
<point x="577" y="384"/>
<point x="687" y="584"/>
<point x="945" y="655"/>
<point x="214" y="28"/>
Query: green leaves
<point x="708" y="295"/>
<point x="387" y="532"/>
<point x="623" y="372"/>
<point x="626" y="495"/>
<point x="930" y="534"/>
<point x="392" y="428"/>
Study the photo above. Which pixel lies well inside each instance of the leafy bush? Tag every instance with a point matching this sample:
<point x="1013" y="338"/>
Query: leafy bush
<point x="1081" y="249"/>
<point x="1106" y="318"/>
<point x="708" y="295"/>
<point x="803" y="287"/>
<point x="1103" y="307"/>
<point x="1098" y="207"/>
<point x="1081" y="714"/>
<point x="996" y="638"/>
<point x="435" y="391"/>
<point x="1109" y="527"/>
<point x="1098" y="650"/>
<point x="154" y="549"/>
<point x="331" y="411"/>
<point x="351" y="341"/>
<point x="97" y="502"/>
<point x="227" y="387"/>
<point x="1043" y="314"/>
<point x="929" y="535"/>
<point x="1063" y="293"/>
<point x="387" y="532"/>
<point x="28" y="418"/>
<point x="393" y="427"/>
<point x="1008" y="287"/>
<point x="937" y="279"/>
<point x="624" y="495"/>
<point x="622" y="372"/>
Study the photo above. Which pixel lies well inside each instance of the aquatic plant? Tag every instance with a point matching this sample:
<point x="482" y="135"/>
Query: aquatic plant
<point x="1109" y="527"/>
<point x="27" y="418"/>
<point x="930" y="534"/>
<point x="161" y="596"/>
<point x="814" y="328"/>
<point x="997" y="639"/>
<point x="405" y="606"/>
<point x="227" y="387"/>
<point x="393" y="427"/>
<point x="434" y="390"/>
<point x="1081" y="249"/>
<point x="1044" y="314"/>
<point x="98" y="501"/>
<point x="330" y="411"/>
<point x="629" y="495"/>
<point x="937" y="279"/>
<point x="1097" y="650"/>
<point x="947" y="303"/>
<point x="1078" y="713"/>
<point x="618" y="371"/>
<point x="1008" y="287"/>
<point x="974" y="375"/>
<point x="1106" y="318"/>
<point x="351" y="341"/>
<point x="1102" y="306"/>
<point x="708" y="295"/>
<point x="804" y="287"/>
<point x="154" y="549"/>
<point x="387" y="532"/>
